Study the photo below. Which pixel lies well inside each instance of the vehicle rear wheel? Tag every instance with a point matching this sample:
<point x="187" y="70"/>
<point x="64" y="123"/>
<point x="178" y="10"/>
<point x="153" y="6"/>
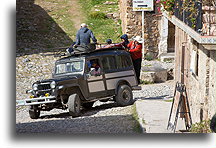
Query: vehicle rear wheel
<point x="124" y="96"/>
<point x="88" y="105"/>
<point x="74" y="104"/>
<point x="34" y="112"/>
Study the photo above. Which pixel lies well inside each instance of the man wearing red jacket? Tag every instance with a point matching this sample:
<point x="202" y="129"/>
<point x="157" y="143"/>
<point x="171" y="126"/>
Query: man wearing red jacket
<point x="135" y="49"/>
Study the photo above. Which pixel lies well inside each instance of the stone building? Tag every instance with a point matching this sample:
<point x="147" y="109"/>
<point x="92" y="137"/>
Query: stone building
<point x="195" y="65"/>
<point x="132" y="25"/>
<point x="194" y="50"/>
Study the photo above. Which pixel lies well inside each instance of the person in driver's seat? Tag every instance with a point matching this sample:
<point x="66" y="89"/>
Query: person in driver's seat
<point x="95" y="68"/>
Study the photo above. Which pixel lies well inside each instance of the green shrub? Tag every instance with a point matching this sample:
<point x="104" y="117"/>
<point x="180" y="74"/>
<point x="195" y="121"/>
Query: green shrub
<point x="201" y="127"/>
<point x="97" y="15"/>
<point x="97" y="2"/>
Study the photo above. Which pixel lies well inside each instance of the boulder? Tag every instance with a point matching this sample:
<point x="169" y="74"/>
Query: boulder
<point x="153" y="74"/>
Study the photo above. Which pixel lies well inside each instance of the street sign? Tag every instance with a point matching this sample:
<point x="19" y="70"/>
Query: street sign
<point x="143" y="5"/>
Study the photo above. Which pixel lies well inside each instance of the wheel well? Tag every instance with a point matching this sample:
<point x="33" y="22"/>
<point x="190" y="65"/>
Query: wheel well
<point x="71" y="90"/>
<point x="121" y="82"/>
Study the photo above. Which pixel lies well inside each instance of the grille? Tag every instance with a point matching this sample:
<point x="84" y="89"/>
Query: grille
<point x="44" y="87"/>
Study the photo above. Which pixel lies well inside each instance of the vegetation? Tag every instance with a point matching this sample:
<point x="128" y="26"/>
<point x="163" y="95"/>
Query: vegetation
<point x="146" y="82"/>
<point x="201" y="127"/>
<point x="168" y="5"/>
<point x="137" y="127"/>
<point x="103" y="27"/>
<point x="58" y="10"/>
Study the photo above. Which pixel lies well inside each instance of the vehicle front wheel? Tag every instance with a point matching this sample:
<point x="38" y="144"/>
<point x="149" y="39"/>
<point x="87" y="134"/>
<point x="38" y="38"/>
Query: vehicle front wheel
<point x="124" y="96"/>
<point x="34" y="113"/>
<point x="74" y="105"/>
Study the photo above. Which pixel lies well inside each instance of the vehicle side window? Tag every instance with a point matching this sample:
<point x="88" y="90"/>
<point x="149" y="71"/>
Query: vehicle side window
<point x="126" y="61"/>
<point x="119" y="63"/>
<point x="93" y="67"/>
<point x="109" y="63"/>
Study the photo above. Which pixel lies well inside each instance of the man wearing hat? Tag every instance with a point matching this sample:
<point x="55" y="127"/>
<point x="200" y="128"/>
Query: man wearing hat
<point x="135" y="49"/>
<point x="84" y="35"/>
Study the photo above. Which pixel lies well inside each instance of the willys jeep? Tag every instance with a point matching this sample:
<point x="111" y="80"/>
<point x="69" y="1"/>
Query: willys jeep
<point x="81" y="79"/>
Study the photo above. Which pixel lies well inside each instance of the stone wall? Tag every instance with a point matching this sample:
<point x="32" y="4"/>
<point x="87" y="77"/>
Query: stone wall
<point x="132" y="25"/>
<point x="200" y="85"/>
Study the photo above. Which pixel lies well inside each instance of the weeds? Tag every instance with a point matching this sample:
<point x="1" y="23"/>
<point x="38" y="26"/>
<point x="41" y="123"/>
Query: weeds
<point x="137" y="126"/>
<point x="146" y="82"/>
<point x="201" y="127"/>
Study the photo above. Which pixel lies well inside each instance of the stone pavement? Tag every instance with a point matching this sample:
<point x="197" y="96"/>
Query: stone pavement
<point x="153" y="107"/>
<point x="154" y="114"/>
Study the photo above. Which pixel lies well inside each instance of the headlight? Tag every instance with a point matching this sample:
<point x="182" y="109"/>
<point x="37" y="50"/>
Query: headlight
<point x="53" y="84"/>
<point x="35" y="87"/>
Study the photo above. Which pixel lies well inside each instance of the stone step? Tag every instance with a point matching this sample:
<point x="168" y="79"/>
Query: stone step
<point x="153" y="74"/>
<point x="164" y="57"/>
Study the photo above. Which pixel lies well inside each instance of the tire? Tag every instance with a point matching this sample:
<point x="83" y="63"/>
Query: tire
<point x="74" y="105"/>
<point x="88" y="105"/>
<point x="124" y="96"/>
<point x="34" y="113"/>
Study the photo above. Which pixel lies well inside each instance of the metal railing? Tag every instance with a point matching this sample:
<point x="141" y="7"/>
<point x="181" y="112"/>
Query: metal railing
<point x="192" y="19"/>
<point x="197" y="14"/>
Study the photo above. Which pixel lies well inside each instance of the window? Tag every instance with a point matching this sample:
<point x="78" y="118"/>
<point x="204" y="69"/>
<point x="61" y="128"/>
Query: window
<point x="93" y="66"/>
<point x="76" y="66"/>
<point x="109" y="63"/>
<point x="194" y="62"/>
<point x="126" y="62"/>
<point x="119" y="62"/>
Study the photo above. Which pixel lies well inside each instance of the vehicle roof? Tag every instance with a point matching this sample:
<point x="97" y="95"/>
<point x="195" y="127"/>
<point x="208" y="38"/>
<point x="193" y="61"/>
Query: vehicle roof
<point x="97" y="52"/>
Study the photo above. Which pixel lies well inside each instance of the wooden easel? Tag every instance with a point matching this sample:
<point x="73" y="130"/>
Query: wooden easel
<point x="183" y="108"/>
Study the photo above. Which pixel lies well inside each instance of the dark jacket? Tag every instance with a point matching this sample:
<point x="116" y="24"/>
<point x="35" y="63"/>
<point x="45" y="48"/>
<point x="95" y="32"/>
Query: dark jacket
<point x="83" y="36"/>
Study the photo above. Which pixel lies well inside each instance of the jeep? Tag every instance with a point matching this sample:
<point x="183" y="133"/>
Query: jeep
<point x="81" y="79"/>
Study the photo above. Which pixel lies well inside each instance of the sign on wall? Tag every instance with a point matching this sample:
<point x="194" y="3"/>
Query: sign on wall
<point x="143" y="5"/>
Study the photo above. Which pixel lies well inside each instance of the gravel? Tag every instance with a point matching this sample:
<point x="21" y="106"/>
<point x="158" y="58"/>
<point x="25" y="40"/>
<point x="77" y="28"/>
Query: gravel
<point x="102" y="118"/>
<point x="158" y="91"/>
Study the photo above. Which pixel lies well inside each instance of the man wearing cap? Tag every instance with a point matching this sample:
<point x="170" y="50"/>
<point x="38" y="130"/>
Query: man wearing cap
<point x="83" y="36"/>
<point x="135" y="49"/>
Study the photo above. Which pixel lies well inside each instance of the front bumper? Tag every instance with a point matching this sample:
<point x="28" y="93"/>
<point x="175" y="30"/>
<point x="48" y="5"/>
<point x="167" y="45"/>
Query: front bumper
<point x="36" y="101"/>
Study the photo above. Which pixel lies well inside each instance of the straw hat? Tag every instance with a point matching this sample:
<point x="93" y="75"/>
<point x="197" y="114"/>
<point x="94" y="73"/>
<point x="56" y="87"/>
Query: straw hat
<point x="138" y="39"/>
<point x="83" y="25"/>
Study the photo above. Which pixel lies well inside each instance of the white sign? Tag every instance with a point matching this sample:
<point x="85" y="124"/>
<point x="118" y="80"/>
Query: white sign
<point x="143" y="5"/>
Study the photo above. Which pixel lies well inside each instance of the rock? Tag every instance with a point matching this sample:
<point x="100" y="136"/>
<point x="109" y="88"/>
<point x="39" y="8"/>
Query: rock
<point x="153" y="71"/>
<point x="26" y="60"/>
<point x="109" y="3"/>
<point x="147" y="76"/>
<point x="116" y="15"/>
<point x="109" y="15"/>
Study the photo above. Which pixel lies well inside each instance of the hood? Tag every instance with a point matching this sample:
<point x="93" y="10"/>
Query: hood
<point x="124" y="36"/>
<point x="84" y="29"/>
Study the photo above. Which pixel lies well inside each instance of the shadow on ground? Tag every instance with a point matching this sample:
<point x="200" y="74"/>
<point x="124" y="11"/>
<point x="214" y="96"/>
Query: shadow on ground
<point x="103" y="124"/>
<point x="36" y="31"/>
<point x="163" y="97"/>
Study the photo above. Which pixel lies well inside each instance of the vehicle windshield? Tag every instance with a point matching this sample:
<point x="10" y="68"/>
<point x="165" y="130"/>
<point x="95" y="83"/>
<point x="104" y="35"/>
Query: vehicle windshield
<point x="70" y="67"/>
